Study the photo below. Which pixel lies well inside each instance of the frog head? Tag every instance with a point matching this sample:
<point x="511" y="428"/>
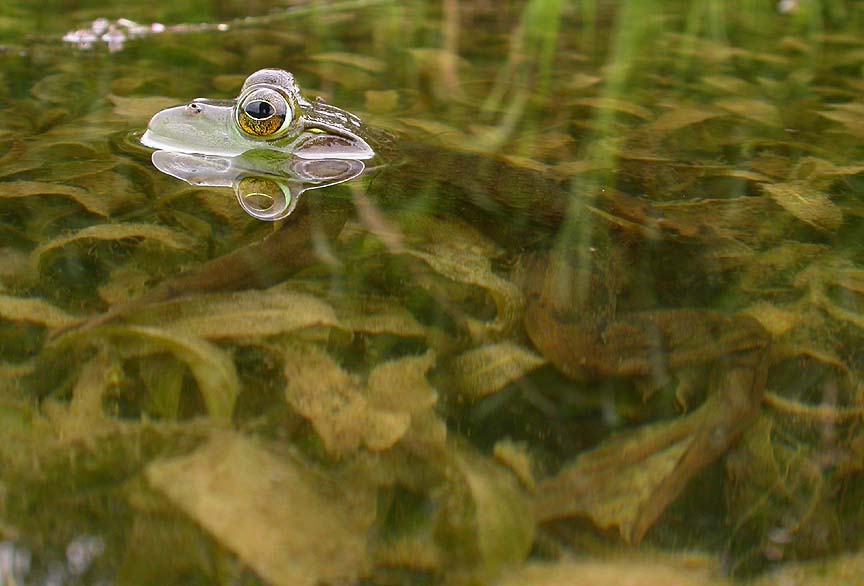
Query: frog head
<point x="270" y="114"/>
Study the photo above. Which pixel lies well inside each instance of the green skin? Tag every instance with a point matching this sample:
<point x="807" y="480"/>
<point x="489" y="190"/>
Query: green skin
<point x="313" y="130"/>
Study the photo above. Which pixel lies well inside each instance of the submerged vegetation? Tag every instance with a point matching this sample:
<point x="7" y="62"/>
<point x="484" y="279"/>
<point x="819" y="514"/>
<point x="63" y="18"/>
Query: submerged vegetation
<point x="596" y="315"/>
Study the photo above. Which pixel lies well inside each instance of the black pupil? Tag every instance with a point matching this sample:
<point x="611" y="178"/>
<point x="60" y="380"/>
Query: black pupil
<point x="259" y="109"/>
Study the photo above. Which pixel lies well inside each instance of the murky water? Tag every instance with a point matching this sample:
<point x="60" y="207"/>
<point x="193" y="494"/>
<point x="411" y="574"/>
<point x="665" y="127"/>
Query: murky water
<point x="593" y="312"/>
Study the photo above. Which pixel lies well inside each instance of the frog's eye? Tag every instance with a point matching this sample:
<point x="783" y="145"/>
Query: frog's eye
<point x="263" y="112"/>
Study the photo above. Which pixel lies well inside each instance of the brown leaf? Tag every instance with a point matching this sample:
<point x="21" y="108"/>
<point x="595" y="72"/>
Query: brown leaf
<point x="22" y="189"/>
<point x="470" y="267"/>
<point x="774" y="319"/>
<point x="647" y="344"/>
<point x="84" y="416"/>
<point x="35" y="311"/>
<point x="497" y="516"/>
<point x="846" y="569"/>
<point x="629" y="481"/>
<point x="615" y="104"/>
<point x="242" y="315"/>
<point x="752" y="109"/>
<point x="286" y="522"/>
<point x="212" y="367"/>
<point x="806" y="203"/>
<point x="165" y="236"/>
<point x="379" y="316"/>
<point x="140" y="109"/>
<point x="682" y="117"/>
<point x="615" y="572"/>
<point x="487" y="369"/>
<point x="362" y="62"/>
<point x="850" y="115"/>
<point x="348" y="412"/>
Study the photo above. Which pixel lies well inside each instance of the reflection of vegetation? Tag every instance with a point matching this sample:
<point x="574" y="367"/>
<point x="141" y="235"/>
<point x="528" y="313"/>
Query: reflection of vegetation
<point x="647" y="227"/>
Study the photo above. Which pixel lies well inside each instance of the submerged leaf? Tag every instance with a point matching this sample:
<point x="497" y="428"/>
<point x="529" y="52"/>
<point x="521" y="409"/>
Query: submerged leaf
<point x="614" y="572"/>
<point x="492" y="525"/>
<point x="781" y="500"/>
<point x="806" y="203"/>
<point x="380" y="316"/>
<point x="165" y="236"/>
<point x="581" y="81"/>
<point x="212" y="368"/>
<point x="467" y="266"/>
<point x="517" y="459"/>
<point x="85" y="414"/>
<point x="487" y="369"/>
<point x="505" y="523"/>
<point x="615" y="104"/>
<point x="628" y="481"/>
<point x="163" y="378"/>
<point x="140" y="109"/>
<point x="362" y="62"/>
<point x="124" y="283"/>
<point x="90" y="202"/>
<point x="34" y="311"/>
<point x="381" y="101"/>
<point x="682" y="117"/>
<point x="629" y="346"/>
<point x="401" y="384"/>
<point x="775" y="320"/>
<point x="243" y="315"/>
<point x="348" y="412"/>
<point x="850" y="115"/>
<point x="845" y="569"/>
<point x="752" y="109"/>
<point x="612" y="483"/>
<point x="286" y="522"/>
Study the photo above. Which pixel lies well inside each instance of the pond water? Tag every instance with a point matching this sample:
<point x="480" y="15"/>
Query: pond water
<point x="594" y="312"/>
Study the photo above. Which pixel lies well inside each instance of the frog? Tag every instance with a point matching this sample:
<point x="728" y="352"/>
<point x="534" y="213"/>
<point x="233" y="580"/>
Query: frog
<point x="269" y="114"/>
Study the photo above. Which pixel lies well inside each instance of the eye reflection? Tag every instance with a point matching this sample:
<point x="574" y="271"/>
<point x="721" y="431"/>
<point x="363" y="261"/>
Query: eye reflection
<point x="264" y="198"/>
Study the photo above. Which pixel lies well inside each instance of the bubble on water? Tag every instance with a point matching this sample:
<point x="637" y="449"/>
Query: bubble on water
<point x="14" y="563"/>
<point x="56" y="575"/>
<point x="82" y="552"/>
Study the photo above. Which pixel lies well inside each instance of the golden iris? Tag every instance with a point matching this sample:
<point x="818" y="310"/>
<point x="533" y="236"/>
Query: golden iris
<point x="263" y="112"/>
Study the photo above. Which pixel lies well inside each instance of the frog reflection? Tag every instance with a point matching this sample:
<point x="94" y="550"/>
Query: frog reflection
<point x="267" y="187"/>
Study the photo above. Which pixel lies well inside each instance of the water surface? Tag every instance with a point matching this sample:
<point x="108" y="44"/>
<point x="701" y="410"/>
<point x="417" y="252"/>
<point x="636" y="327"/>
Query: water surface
<point x="596" y="309"/>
